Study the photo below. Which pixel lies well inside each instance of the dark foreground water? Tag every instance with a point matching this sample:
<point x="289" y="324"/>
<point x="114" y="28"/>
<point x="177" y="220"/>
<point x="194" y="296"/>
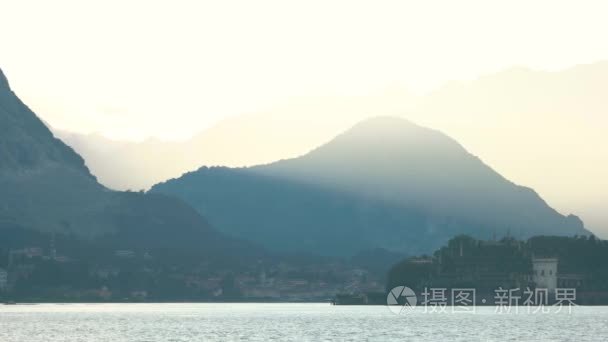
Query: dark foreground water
<point x="289" y="322"/>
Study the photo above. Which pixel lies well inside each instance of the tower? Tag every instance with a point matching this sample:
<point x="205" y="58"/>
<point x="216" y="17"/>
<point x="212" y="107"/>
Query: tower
<point x="545" y="273"/>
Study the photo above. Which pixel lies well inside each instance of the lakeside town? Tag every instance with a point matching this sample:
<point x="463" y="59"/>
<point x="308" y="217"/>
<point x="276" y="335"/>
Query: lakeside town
<point x="39" y="274"/>
<point x="36" y="273"/>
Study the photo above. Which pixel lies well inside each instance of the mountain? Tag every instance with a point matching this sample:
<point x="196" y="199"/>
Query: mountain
<point x="46" y="187"/>
<point x="393" y="160"/>
<point x="26" y="143"/>
<point x="129" y="159"/>
<point x="64" y="237"/>
<point x="384" y="183"/>
<point x="238" y="141"/>
<point x="539" y="128"/>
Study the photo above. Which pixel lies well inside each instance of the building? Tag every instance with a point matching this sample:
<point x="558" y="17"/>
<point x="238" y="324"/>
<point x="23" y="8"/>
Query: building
<point x="125" y="254"/>
<point x="571" y="280"/>
<point x="28" y="252"/>
<point x="3" y="280"/>
<point x="544" y="273"/>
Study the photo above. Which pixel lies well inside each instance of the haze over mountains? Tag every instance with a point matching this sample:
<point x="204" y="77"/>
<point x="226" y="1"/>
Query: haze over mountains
<point x="385" y="183"/>
<point x="45" y="186"/>
<point x="542" y="129"/>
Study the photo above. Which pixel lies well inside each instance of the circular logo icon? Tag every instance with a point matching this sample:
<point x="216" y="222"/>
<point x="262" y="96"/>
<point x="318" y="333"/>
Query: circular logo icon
<point x="401" y="299"/>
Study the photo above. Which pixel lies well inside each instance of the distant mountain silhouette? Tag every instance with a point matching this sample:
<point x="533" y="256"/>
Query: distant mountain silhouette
<point x="385" y="183"/>
<point x="543" y="129"/>
<point x="45" y="186"/>
<point x="244" y="140"/>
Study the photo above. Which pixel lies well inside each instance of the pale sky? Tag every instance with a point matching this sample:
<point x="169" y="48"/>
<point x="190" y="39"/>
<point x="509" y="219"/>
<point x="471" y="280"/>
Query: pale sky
<point x="130" y="70"/>
<point x="134" y="69"/>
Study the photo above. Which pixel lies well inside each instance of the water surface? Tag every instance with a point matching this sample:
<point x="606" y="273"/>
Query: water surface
<point x="289" y="322"/>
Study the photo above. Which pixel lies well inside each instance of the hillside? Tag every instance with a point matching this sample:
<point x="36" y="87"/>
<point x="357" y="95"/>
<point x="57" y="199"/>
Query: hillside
<point x="385" y="183"/>
<point x="45" y="186"/>
<point x="540" y="128"/>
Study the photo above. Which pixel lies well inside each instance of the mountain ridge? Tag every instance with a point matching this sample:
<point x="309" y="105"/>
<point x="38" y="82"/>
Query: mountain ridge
<point x="402" y="150"/>
<point x="22" y="133"/>
<point x="538" y="128"/>
<point x="47" y="187"/>
<point x="383" y="177"/>
<point x="3" y="80"/>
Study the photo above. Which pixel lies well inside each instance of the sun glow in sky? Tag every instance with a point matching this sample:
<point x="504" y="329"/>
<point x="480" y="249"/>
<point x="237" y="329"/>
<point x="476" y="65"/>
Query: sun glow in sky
<point x="133" y="69"/>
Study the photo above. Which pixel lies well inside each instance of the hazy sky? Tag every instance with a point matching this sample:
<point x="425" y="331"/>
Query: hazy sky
<point x="131" y="69"/>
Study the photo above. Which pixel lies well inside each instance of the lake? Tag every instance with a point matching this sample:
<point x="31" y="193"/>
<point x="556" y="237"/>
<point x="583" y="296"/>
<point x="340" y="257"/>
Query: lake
<point x="289" y="322"/>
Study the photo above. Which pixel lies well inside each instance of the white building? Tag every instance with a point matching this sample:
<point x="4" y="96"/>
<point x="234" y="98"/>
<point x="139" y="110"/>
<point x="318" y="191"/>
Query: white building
<point x="3" y="280"/>
<point x="544" y="273"/>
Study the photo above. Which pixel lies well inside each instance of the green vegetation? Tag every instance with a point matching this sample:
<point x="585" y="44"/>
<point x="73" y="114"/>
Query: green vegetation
<point x="486" y="265"/>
